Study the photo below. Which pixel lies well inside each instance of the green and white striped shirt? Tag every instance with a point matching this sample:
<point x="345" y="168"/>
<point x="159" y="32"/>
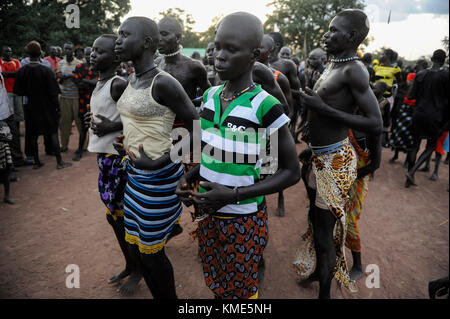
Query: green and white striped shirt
<point x="232" y="142"/>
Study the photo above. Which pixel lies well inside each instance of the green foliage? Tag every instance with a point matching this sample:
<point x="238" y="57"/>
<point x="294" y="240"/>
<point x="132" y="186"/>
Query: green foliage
<point x="190" y="38"/>
<point x="45" y="21"/>
<point x="306" y="21"/>
<point x="445" y="43"/>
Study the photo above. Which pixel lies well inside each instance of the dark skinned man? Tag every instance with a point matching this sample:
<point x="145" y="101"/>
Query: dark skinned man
<point x="342" y="88"/>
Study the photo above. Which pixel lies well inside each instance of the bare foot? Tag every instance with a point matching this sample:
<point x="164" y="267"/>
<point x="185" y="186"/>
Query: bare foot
<point x="280" y="211"/>
<point x="119" y="277"/>
<point x="38" y="165"/>
<point x="308" y="281"/>
<point x="9" y="201"/>
<point x="410" y="180"/>
<point x="129" y="287"/>
<point x="63" y="165"/>
<point x="434" y="177"/>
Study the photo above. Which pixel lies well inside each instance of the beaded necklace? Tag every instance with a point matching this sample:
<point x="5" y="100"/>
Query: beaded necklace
<point x="235" y="96"/>
<point x="345" y="59"/>
<point x="180" y="48"/>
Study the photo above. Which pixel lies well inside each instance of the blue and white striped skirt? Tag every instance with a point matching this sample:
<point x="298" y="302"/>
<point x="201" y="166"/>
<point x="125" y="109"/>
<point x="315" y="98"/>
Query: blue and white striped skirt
<point x="151" y="207"/>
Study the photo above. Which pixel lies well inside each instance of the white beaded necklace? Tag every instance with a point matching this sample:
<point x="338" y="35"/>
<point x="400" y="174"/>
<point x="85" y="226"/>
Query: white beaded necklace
<point x="345" y="59"/>
<point x="175" y="53"/>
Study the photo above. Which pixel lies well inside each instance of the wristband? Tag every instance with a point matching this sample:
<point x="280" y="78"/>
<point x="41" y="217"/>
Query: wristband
<point x="236" y="194"/>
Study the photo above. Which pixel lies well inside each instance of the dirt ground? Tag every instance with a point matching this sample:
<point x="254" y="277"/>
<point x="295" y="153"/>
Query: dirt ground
<point x="59" y="220"/>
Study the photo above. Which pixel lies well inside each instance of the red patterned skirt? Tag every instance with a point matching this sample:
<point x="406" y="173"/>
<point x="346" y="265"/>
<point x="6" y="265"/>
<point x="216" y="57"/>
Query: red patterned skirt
<point x="230" y="250"/>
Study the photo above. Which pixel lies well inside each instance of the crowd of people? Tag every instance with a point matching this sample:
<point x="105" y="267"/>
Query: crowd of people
<point x="131" y="90"/>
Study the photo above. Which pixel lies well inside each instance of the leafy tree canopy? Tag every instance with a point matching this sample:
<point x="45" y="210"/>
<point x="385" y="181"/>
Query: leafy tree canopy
<point x="306" y="21"/>
<point x="45" y="21"/>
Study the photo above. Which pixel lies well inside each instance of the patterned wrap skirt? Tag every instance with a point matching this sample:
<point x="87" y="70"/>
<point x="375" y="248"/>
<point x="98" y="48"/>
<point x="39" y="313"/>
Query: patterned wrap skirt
<point x="230" y="250"/>
<point x="112" y="179"/>
<point x="151" y="206"/>
<point x="334" y="172"/>
<point x="357" y="194"/>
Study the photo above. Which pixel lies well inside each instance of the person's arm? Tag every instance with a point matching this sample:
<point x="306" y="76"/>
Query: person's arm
<point x="284" y="85"/>
<point x="201" y="77"/>
<point x="91" y="82"/>
<point x="264" y="76"/>
<point x="292" y="76"/>
<point x="358" y="82"/>
<point x="374" y="147"/>
<point x="288" y="174"/>
<point x="9" y="74"/>
<point x="184" y="189"/>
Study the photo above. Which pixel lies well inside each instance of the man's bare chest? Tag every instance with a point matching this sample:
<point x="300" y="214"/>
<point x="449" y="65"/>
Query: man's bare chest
<point x="331" y="82"/>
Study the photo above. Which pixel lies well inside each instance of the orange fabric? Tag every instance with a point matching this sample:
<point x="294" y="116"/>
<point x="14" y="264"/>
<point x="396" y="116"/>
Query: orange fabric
<point x="440" y="143"/>
<point x="276" y="74"/>
<point x="410" y="77"/>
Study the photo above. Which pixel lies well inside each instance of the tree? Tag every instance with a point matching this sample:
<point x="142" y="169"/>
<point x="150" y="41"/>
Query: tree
<point x="445" y="43"/>
<point x="304" y="22"/>
<point x="45" y="21"/>
<point x="209" y="35"/>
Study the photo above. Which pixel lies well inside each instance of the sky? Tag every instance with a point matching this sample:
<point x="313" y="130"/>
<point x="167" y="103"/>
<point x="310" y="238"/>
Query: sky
<point x="416" y="27"/>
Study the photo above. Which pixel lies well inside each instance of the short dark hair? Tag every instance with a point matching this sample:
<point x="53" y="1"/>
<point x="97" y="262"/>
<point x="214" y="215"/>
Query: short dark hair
<point x="278" y="38"/>
<point x="422" y="63"/>
<point x="358" y="21"/>
<point x="175" y="22"/>
<point x="109" y="36"/>
<point x="149" y="28"/>
<point x="439" y="56"/>
<point x="33" y="48"/>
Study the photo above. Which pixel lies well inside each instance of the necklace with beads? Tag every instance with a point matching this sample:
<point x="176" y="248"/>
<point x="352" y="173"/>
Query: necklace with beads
<point x="353" y="58"/>
<point x="235" y="96"/>
<point x="175" y="53"/>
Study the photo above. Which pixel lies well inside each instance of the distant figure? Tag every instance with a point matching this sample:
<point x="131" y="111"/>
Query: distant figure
<point x="211" y="71"/>
<point x="196" y="56"/>
<point x="402" y="138"/>
<point x="86" y="80"/>
<point x="79" y="52"/>
<point x="367" y="60"/>
<point x="430" y="117"/>
<point x="38" y="83"/>
<point x="9" y="68"/>
<point x="53" y="59"/>
<point x="285" y="53"/>
<point x="69" y="95"/>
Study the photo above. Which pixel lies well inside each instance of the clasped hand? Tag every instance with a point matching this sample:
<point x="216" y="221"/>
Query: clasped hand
<point x="311" y="100"/>
<point x="98" y="128"/>
<point x="215" y="197"/>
